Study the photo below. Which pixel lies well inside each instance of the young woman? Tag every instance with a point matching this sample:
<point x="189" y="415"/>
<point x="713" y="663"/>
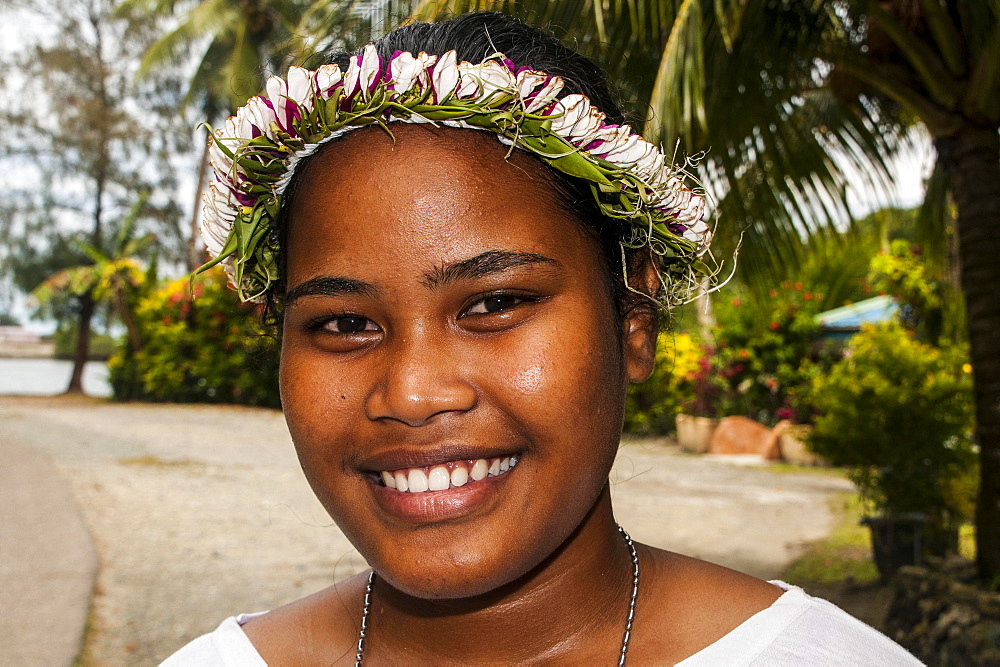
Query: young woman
<point x="461" y="317"/>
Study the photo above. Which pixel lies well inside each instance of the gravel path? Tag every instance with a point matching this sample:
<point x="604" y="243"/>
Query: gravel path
<point x="199" y="512"/>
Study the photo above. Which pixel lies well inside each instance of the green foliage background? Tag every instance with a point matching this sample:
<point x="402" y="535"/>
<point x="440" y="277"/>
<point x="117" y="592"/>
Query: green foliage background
<point x="200" y="345"/>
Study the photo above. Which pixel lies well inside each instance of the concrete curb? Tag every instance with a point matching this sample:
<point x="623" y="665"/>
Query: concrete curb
<point x="48" y="563"/>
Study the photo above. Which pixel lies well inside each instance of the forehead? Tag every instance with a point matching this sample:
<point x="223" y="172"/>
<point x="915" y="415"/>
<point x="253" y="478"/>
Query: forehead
<point x="426" y="195"/>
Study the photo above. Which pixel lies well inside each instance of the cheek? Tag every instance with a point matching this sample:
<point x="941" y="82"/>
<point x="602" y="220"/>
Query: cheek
<point x="317" y="398"/>
<point x="565" y="381"/>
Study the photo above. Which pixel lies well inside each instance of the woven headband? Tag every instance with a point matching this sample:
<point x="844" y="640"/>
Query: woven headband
<point x="254" y="156"/>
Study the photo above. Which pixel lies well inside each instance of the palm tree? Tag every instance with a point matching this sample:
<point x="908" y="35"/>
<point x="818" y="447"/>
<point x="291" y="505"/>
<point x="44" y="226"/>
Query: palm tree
<point x="240" y="42"/>
<point x="784" y="91"/>
<point x="113" y="278"/>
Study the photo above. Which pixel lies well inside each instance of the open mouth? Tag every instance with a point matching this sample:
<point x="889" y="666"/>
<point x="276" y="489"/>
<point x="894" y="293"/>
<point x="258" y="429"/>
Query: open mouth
<point x="444" y="476"/>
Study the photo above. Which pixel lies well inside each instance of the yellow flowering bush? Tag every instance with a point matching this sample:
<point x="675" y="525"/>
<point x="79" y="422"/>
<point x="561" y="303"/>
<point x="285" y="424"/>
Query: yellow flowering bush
<point x="651" y="405"/>
<point x="199" y="345"/>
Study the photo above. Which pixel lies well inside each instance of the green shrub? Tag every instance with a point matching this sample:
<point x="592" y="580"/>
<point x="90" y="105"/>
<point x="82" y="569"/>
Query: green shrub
<point x="199" y="345"/>
<point x="899" y="414"/>
<point x="764" y="353"/>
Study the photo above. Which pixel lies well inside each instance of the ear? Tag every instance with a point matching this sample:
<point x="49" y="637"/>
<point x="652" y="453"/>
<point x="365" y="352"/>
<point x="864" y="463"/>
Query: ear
<point x="640" y="321"/>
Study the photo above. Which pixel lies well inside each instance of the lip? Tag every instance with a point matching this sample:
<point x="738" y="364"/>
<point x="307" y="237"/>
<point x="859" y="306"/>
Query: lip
<point x="434" y="506"/>
<point x="427" y="456"/>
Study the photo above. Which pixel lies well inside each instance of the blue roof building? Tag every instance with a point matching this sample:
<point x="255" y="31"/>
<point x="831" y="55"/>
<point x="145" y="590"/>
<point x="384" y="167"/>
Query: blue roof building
<point x="842" y="323"/>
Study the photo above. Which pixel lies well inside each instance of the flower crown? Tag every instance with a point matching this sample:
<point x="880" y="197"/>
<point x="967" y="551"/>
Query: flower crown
<point x="254" y="156"/>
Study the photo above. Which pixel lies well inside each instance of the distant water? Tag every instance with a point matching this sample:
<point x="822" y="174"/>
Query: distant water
<point x="45" y="377"/>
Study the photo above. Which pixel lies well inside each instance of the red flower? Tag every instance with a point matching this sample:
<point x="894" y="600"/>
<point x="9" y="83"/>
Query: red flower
<point x="798" y="287"/>
<point x="775" y="326"/>
<point x="808" y="296"/>
<point x="737" y="303"/>
<point x="773" y="293"/>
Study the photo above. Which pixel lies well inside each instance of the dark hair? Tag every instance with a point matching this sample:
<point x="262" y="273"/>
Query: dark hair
<point x="475" y="37"/>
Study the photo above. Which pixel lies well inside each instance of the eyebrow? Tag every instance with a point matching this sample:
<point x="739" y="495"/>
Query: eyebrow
<point x="480" y="266"/>
<point x="329" y="286"/>
<point x="485" y="264"/>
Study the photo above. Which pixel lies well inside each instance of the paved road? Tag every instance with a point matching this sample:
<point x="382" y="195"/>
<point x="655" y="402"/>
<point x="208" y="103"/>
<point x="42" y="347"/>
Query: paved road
<point x="199" y="512"/>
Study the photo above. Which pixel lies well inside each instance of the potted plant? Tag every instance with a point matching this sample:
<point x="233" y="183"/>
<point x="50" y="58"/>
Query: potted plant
<point x="898" y="414"/>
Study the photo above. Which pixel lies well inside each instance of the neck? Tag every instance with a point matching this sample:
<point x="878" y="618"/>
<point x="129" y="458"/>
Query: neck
<point x="573" y="604"/>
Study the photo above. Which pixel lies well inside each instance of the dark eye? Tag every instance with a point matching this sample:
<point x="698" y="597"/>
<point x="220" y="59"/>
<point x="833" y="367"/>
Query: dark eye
<point x="496" y="303"/>
<point x="350" y="324"/>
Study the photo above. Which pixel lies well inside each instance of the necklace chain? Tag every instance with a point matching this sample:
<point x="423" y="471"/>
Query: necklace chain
<point x="359" y="657"/>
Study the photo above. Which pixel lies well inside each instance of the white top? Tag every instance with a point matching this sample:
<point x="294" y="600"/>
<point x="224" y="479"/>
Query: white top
<point x="797" y="629"/>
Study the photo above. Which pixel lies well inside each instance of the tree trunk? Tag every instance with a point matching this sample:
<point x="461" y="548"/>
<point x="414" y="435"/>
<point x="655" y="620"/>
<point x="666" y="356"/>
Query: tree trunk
<point x="972" y="158"/>
<point x="125" y="312"/>
<point x="82" y="351"/>
<point x="195" y="256"/>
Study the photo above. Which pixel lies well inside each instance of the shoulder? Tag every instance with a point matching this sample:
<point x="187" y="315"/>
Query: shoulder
<point x="811" y="631"/>
<point x="686" y="604"/>
<point x="798" y="629"/>
<point x="226" y="645"/>
<point x="321" y="628"/>
<point x="731" y="618"/>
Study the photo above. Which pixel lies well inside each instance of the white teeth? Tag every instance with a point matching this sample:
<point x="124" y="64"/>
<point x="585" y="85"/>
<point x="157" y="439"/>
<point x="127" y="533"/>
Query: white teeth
<point x="417" y="480"/>
<point x="401" y="483"/>
<point x="441" y="478"/>
<point x="479" y="470"/>
<point x="459" y="476"/>
<point x="438" y="479"/>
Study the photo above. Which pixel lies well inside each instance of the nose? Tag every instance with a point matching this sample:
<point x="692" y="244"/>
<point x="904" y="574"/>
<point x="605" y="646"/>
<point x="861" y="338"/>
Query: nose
<point x="421" y="379"/>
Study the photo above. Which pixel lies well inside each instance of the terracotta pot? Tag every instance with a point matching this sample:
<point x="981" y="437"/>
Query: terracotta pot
<point x="695" y="433"/>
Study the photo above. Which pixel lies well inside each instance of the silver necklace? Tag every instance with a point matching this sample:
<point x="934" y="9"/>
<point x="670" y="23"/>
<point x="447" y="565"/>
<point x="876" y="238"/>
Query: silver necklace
<point x="359" y="657"/>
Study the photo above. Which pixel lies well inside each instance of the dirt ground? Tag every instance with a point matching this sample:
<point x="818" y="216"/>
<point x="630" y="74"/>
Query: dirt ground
<point x="200" y="512"/>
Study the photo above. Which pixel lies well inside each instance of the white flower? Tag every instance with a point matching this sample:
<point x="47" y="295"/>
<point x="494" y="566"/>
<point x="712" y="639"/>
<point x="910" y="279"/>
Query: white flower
<point x="649" y="164"/>
<point x="218" y="217"/>
<point x="277" y="94"/>
<point x="699" y="231"/>
<point x="352" y="76"/>
<point x="607" y="138"/>
<point x="243" y="123"/>
<point x="327" y="77"/>
<point x="628" y="151"/>
<point x="480" y="82"/>
<point x="300" y="88"/>
<point x="580" y="122"/>
<point x="260" y="116"/>
<point x="229" y="137"/>
<point x="371" y="68"/>
<point x="445" y="77"/>
<point x="673" y="195"/>
<point x="544" y="87"/>
<point x="407" y="70"/>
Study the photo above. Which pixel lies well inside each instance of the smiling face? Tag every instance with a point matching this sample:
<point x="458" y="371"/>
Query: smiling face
<point x="446" y="320"/>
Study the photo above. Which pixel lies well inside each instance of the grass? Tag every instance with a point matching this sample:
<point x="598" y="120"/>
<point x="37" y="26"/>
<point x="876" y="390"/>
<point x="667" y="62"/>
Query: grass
<point x="153" y="461"/>
<point x="791" y="468"/>
<point x="967" y="541"/>
<point x="844" y="555"/>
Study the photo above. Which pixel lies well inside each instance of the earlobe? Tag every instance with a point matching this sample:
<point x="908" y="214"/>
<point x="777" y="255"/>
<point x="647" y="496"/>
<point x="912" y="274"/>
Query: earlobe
<point x="640" y="322"/>
<point x="640" y="328"/>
